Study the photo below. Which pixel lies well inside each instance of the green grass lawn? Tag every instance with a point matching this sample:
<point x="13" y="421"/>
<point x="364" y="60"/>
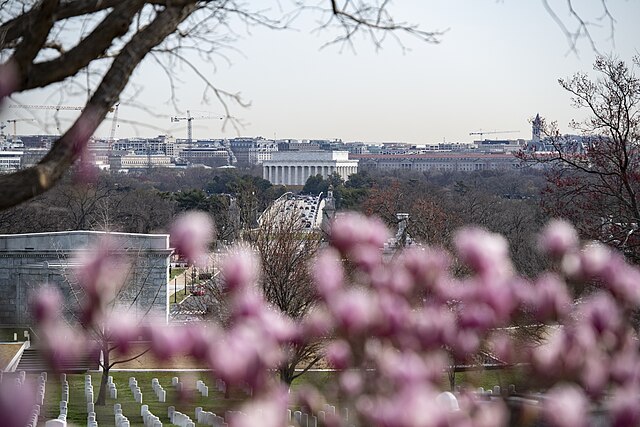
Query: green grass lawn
<point x="179" y="296"/>
<point x="175" y="272"/>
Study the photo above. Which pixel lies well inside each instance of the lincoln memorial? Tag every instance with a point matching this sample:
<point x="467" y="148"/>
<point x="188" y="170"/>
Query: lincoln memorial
<point x="295" y="167"/>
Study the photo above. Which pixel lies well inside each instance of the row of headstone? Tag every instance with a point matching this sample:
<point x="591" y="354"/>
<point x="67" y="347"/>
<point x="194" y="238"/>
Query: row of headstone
<point x="135" y="389"/>
<point x="121" y="420"/>
<point x="247" y="390"/>
<point x="65" y="388"/>
<point x="209" y="418"/>
<point x="42" y="382"/>
<point x="221" y="386"/>
<point x="178" y="418"/>
<point x="63" y="408"/>
<point x="161" y="393"/>
<point x="33" y="421"/>
<point x="91" y="419"/>
<point x="496" y="391"/>
<point x="303" y="419"/>
<point x="148" y="418"/>
<point x="202" y="388"/>
<point x="35" y="412"/>
<point x="177" y="384"/>
<point x="113" y="391"/>
<point x="88" y="393"/>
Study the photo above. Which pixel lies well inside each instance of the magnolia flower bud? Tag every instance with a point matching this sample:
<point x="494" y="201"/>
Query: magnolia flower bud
<point x="558" y="238"/>
<point x="191" y="235"/>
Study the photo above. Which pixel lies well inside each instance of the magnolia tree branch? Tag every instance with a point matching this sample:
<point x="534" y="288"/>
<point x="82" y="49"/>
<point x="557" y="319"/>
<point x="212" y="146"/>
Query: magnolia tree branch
<point x="115" y="25"/>
<point x="25" y="184"/>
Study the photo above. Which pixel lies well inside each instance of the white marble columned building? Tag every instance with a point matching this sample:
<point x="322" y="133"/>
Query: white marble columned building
<point x="295" y="167"/>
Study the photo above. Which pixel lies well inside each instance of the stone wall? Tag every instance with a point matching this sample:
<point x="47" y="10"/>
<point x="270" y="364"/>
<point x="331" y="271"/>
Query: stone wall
<point x="30" y="261"/>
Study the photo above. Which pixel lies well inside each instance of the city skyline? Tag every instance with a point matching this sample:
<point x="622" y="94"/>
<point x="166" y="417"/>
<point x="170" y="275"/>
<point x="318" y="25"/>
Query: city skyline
<point x="496" y="67"/>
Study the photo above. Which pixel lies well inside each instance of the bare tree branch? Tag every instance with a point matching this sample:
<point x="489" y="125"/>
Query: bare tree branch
<point x="22" y="185"/>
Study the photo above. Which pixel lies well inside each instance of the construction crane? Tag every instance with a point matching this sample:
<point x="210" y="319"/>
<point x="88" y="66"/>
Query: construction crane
<point x="114" y="124"/>
<point x="15" y="131"/>
<point x="189" y="118"/>
<point x="480" y="132"/>
<point x="51" y="107"/>
<point x="46" y="107"/>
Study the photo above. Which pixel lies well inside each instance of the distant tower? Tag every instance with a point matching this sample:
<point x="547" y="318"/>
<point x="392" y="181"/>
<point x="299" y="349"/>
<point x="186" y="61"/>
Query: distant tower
<point x="329" y="210"/>
<point x="536" y="129"/>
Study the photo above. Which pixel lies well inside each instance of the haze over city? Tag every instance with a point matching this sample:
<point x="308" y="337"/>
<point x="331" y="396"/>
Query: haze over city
<point x="496" y="66"/>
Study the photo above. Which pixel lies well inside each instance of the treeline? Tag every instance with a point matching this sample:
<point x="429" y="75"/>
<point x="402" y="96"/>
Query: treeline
<point x="502" y="201"/>
<point x="507" y="202"/>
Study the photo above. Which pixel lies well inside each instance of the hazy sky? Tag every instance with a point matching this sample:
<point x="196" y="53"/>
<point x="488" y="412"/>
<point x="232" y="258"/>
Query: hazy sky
<point x="496" y="67"/>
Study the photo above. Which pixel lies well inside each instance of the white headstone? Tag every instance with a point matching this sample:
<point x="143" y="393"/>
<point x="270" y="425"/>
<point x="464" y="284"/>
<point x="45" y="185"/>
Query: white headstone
<point x="448" y="400"/>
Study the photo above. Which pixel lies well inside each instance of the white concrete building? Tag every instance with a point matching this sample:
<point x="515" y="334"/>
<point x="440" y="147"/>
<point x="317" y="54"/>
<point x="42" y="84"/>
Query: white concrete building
<point x="10" y="160"/>
<point x="295" y="167"/>
<point x="129" y="161"/>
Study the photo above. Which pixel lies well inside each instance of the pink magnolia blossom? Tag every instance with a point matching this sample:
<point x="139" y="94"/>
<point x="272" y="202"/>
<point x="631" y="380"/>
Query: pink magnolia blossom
<point x="16" y="402"/>
<point x="191" y="235"/>
<point x="351" y="230"/>
<point x="486" y="253"/>
<point x="338" y="354"/>
<point x="122" y="328"/>
<point x="240" y="269"/>
<point x="354" y="311"/>
<point x="46" y="305"/>
<point x="268" y="411"/>
<point x="558" y="237"/>
<point x="327" y="272"/>
<point x="624" y="407"/>
<point x="565" y="405"/>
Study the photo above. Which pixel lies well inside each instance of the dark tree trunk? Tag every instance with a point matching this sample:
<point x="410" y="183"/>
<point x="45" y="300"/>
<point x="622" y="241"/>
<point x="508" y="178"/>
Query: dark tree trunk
<point x="102" y="394"/>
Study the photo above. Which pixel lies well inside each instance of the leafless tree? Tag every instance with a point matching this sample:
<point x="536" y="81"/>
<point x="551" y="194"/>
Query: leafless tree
<point x="135" y="283"/>
<point x="286" y="248"/>
<point x="595" y="182"/>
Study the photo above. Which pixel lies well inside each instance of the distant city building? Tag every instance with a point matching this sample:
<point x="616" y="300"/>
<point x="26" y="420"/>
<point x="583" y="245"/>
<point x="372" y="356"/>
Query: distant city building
<point x="443" y="162"/>
<point x="445" y="146"/>
<point x="295" y="167"/>
<point x="10" y="160"/>
<point x="294" y="145"/>
<point x="132" y="161"/>
<point x="536" y="129"/>
<point x="38" y="141"/>
<point x="252" y="151"/>
<point x="216" y="155"/>
<point x="161" y="144"/>
<point x="500" y="145"/>
<point x="31" y="156"/>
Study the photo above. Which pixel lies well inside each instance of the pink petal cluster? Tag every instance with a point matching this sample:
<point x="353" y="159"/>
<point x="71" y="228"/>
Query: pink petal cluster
<point x="392" y="327"/>
<point x="191" y="235"/>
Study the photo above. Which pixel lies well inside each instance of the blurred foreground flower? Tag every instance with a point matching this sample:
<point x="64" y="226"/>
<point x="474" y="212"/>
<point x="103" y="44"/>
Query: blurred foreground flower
<point x="394" y="327"/>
